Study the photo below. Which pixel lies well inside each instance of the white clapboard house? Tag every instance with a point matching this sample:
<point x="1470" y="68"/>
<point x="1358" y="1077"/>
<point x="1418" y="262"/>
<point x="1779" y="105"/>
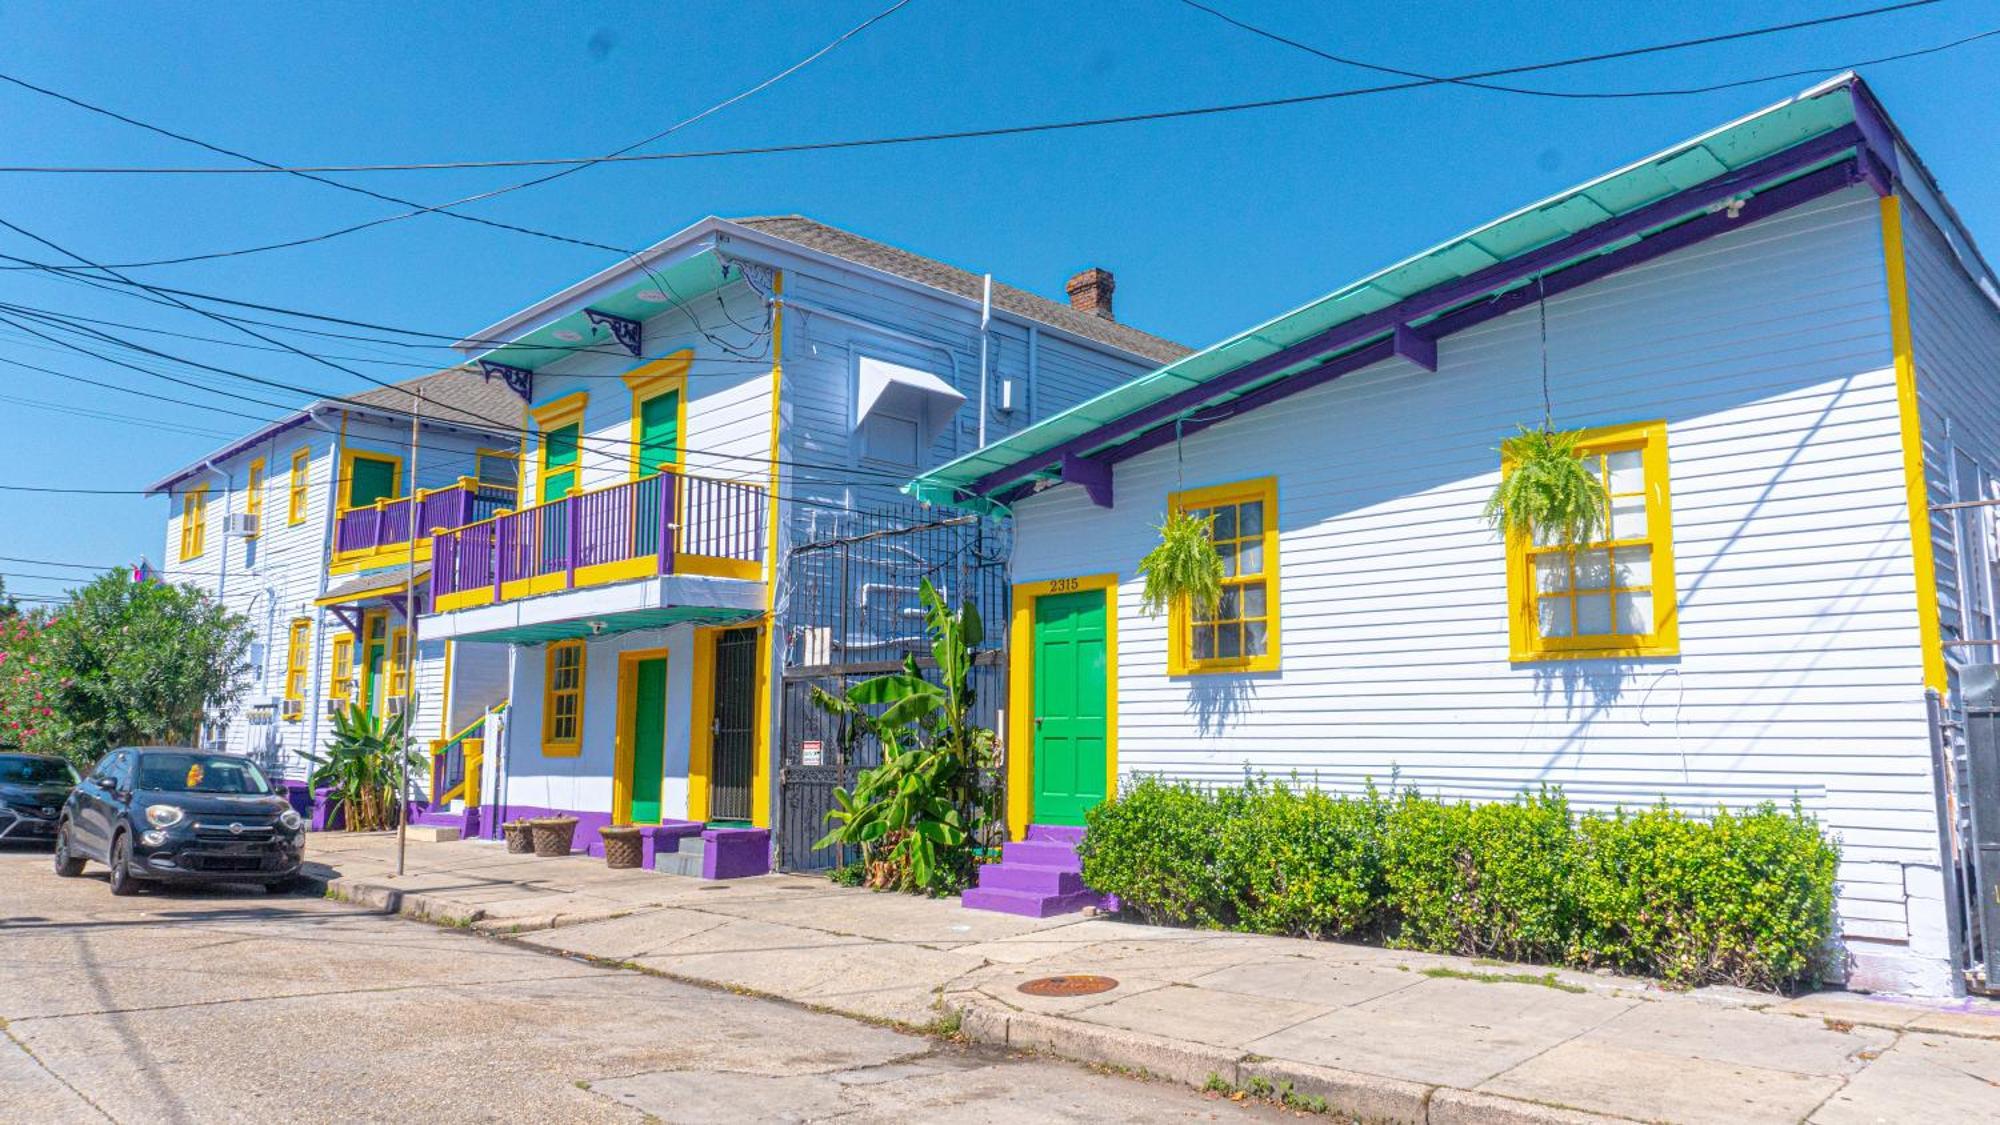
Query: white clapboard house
<point x="1784" y="351"/>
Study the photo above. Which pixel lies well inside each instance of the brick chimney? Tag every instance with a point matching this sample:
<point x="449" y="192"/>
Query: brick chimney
<point x="1090" y="291"/>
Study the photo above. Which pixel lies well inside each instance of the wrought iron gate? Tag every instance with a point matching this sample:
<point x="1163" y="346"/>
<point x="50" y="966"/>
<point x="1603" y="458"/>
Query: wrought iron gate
<point x="1966" y="759"/>
<point x="851" y="613"/>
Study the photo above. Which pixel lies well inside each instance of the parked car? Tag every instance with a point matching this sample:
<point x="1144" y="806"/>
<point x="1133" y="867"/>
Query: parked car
<point x="33" y="788"/>
<point x="173" y="815"/>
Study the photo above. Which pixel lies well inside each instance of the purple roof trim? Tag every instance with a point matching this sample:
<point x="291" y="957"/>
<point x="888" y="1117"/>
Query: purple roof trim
<point x="255" y="439"/>
<point x="1441" y="299"/>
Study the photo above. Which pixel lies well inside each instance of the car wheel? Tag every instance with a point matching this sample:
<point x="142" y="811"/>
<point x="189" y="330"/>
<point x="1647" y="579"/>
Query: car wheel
<point x="122" y="882"/>
<point x="68" y="864"/>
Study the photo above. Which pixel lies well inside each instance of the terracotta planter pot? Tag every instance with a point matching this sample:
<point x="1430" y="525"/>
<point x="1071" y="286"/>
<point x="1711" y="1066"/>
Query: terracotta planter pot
<point x="520" y="838"/>
<point x="621" y="845"/>
<point x="553" y="835"/>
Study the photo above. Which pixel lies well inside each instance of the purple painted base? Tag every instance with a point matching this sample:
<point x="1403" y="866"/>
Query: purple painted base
<point x="327" y="814"/>
<point x="735" y="853"/>
<point x="1036" y="877"/>
<point x="653" y="839"/>
<point x="466" y="822"/>
<point x="299" y="794"/>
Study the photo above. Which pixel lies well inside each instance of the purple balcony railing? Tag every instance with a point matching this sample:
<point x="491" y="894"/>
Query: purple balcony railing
<point x="661" y="518"/>
<point x="386" y="523"/>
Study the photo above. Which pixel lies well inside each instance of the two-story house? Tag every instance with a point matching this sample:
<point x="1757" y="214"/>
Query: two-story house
<point x="763" y="375"/>
<point x="304" y="527"/>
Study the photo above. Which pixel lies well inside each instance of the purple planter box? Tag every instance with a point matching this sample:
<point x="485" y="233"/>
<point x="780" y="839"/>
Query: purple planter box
<point x="735" y="853"/>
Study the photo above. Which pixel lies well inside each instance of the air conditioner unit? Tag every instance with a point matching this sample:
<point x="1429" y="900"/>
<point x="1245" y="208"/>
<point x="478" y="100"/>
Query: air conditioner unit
<point x="292" y="710"/>
<point x="335" y="708"/>
<point x="240" y="525"/>
<point x="397" y="704"/>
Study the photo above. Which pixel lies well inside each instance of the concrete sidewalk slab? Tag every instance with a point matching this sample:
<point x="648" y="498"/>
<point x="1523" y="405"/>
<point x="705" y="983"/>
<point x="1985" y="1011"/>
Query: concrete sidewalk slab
<point x="1381" y="1034"/>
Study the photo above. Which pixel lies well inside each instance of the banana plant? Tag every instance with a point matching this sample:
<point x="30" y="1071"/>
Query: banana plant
<point x="918" y="816"/>
<point x="363" y="766"/>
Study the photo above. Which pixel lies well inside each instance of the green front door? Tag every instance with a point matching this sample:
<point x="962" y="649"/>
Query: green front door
<point x="370" y="480"/>
<point x="649" y="738"/>
<point x="659" y="432"/>
<point x="1070" y="706"/>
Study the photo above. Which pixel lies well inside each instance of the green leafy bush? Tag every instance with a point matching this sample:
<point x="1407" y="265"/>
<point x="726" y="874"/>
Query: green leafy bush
<point x="1745" y="898"/>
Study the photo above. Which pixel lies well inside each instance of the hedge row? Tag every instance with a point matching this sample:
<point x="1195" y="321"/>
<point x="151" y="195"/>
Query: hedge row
<point x="1743" y="898"/>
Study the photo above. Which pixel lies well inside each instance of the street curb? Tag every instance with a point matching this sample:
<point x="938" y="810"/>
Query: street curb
<point x="1348" y="1094"/>
<point x="390" y="900"/>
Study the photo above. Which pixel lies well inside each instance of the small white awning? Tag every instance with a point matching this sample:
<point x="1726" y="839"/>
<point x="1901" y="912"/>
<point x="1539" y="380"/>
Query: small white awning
<point x="905" y="392"/>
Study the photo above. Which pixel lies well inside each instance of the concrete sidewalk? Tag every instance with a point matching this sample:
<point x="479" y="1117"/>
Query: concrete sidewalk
<point x="1377" y="1034"/>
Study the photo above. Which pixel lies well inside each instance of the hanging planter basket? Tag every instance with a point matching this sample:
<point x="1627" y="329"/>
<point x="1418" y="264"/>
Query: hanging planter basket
<point x="1547" y="492"/>
<point x="1184" y="565"/>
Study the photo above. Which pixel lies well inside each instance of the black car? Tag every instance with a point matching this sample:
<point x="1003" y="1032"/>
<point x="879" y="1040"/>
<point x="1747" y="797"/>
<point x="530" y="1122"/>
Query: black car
<point x="163" y="814"/>
<point x="33" y="788"/>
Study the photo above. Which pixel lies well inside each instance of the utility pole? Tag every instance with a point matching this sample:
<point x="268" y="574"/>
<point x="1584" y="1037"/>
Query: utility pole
<point x="409" y="650"/>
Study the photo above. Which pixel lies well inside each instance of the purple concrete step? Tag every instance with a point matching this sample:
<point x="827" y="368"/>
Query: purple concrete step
<point x="1028" y="877"/>
<point x="1071" y="834"/>
<point x="1026" y="904"/>
<point x="1041" y="853"/>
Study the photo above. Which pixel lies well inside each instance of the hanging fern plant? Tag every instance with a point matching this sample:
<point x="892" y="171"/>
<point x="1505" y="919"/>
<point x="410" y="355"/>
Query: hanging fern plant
<point x="1184" y="564"/>
<point x="1548" y="492"/>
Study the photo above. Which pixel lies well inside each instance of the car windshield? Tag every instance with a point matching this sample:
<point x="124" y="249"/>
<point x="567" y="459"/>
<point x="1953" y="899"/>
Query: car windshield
<point x="200" y="773"/>
<point x="16" y="770"/>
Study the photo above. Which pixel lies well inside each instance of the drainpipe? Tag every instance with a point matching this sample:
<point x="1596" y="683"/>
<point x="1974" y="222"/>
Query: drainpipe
<point x="1029" y="401"/>
<point x="985" y="322"/>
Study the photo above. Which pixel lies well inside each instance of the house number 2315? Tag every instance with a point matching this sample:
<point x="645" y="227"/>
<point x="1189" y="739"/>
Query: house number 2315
<point x="1063" y="585"/>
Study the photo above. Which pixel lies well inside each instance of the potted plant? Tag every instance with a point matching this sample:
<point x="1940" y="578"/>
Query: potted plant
<point x="520" y="838"/>
<point x="621" y="845"/>
<point x="553" y="834"/>
<point x="1546" y="491"/>
<point x="363" y="769"/>
<point x="1182" y="565"/>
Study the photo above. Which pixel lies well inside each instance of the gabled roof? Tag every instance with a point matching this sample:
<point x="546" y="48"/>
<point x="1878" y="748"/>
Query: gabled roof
<point x="702" y="258"/>
<point x="815" y="235"/>
<point x="456" y="396"/>
<point x="1826" y="137"/>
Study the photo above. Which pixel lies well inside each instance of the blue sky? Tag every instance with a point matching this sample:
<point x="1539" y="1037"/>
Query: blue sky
<point x="1209" y="224"/>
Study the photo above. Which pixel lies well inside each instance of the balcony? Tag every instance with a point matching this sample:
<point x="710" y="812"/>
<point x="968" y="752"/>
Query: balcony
<point x="379" y="533"/>
<point x="666" y="524"/>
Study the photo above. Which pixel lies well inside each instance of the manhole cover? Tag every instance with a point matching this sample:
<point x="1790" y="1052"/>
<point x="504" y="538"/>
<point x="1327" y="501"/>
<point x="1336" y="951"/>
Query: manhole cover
<point x="1068" y="986"/>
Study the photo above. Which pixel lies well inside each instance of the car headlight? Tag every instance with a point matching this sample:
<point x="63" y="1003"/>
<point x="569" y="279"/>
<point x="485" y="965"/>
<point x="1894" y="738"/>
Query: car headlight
<point x="164" y="816"/>
<point x="291" y="819"/>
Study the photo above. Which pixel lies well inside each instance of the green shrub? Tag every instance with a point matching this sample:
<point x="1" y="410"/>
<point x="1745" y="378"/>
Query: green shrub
<point x="1745" y="898"/>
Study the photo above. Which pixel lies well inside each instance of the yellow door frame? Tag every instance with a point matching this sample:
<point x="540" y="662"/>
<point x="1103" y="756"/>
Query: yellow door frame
<point x="1021" y="691"/>
<point x="701" y="726"/>
<point x="622" y="749"/>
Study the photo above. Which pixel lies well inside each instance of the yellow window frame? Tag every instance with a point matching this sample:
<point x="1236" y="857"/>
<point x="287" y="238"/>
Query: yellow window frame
<point x="347" y="459"/>
<point x="1525" y="640"/>
<point x="297" y="657"/>
<point x="194" y="522"/>
<point x="340" y="670"/>
<point x="667" y="375"/>
<point x="399" y="665"/>
<point x="558" y="740"/>
<point x="295" y="512"/>
<point x="253" y="494"/>
<point x="1181" y="660"/>
<point x="557" y="414"/>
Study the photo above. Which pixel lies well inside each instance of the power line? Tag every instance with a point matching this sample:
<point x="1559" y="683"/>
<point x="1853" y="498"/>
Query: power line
<point x="1673" y="92"/>
<point x="974" y="134"/>
<point x="440" y="208"/>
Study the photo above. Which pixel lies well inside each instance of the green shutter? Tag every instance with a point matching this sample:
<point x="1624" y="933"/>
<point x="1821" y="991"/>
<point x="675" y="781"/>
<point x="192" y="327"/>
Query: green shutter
<point x="370" y="480"/>
<point x="659" y="432"/>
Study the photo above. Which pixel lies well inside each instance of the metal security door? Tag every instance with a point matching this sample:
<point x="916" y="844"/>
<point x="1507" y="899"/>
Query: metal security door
<point x="733" y="741"/>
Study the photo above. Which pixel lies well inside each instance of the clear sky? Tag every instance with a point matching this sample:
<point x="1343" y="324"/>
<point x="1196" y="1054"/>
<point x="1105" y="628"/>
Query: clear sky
<point x="1210" y="224"/>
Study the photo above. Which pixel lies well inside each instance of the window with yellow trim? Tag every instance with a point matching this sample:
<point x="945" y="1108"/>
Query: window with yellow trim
<point x="399" y="664"/>
<point x="253" y="493"/>
<point x="1241" y="633"/>
<point x="194" y="523"/>
<point x="295" y="511"/>
<point x="1615" y="595"/>
<point x="297" y="655"/>
<point x="562" y="698"/>
<point x="340" y="671"/>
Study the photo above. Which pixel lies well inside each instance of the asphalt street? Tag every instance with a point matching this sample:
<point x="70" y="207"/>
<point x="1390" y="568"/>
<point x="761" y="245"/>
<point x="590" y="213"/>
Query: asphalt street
<point x="230" y="1004"/>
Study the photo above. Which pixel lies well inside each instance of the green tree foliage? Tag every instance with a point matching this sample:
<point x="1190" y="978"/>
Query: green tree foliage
<point x="1742" y="898"/>
<point x="138" y="663"/>
<point x="919" y="816"/>
<point x="1547" y="491"/>
<point x="364" y="766"/>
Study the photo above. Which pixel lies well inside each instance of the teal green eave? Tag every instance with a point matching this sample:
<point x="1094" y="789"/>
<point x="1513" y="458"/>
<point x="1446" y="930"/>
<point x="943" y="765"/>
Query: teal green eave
<point x="1821" y="109"/>
<point x="612" y="625"/>
<point x="695" y="276"/>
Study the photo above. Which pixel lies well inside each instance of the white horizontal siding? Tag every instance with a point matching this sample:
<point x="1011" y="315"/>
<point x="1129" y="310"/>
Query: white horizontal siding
<point x="1767" y="353"/>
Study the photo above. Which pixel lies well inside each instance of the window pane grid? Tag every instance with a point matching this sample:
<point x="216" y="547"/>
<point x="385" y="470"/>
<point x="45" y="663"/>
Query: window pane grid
<point x="1604" y="589"/>
<point x="1238" y="627"/>
<point x="565" y="691"/>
